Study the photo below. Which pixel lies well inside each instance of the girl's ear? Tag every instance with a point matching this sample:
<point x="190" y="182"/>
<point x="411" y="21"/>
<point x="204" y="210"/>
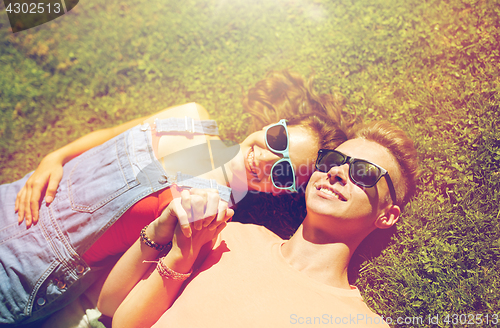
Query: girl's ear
<point x="388" y="218"/>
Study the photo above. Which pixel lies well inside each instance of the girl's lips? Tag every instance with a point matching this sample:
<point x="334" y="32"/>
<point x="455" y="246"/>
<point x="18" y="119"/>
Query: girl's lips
<point x="251" y="162"/>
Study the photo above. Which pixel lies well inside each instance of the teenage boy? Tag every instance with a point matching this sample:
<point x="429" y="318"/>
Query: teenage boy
<point x="249" y="277"/>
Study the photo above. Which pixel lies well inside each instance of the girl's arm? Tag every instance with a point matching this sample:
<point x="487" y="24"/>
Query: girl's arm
<point x="50" y="170"/>
<point x="135" y="295"/>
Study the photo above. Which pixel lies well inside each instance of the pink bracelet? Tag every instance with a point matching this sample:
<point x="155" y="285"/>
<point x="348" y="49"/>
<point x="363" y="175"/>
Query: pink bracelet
<point x="168" y="273"/>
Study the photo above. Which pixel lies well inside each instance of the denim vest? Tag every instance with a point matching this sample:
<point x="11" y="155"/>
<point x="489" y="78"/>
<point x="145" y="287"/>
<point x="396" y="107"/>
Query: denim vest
<point x="42" y="269"/>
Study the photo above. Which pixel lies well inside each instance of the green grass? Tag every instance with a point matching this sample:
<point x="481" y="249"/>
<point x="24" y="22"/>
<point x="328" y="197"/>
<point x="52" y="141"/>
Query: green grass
<point x="432" y="67"/>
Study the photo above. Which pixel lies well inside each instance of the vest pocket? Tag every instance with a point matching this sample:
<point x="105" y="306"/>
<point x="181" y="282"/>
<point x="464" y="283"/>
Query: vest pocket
<point x="99" y="176"/>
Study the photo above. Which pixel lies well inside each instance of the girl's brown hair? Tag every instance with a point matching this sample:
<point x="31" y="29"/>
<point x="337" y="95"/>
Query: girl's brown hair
<point x="285" y="95"/>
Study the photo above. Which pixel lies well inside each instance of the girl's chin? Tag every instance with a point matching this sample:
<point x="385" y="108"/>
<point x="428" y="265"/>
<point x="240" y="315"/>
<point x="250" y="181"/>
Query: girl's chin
<point x="238" y="164"/>
<point x="260" y="188"/>
<point x="239" y="181"/>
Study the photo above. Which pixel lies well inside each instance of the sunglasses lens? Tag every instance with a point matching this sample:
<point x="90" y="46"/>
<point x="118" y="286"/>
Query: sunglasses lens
<point x="282" y="174"/>
<point x="329" y="160"/>
<point x="364" y="173"/>
<point x="276" y="138"/>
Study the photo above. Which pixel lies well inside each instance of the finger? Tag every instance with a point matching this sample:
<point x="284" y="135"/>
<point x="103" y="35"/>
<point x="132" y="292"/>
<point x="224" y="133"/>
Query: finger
<point x="201" y="197"/>
<point x="186" y="203"/>
<point x="229" y="215"/>
<point x="176" y="191"/>
<point x="220" y="228"/>
<point x="34" y="201"/>
<point x="204" y="196"/>
<point x="205" y="193"/>
<point x="209" y="196"/>
<point x="54" y="181"/>
<point x="20" y="198"/>
<point x="198" y="205"/>
<point x="27" y="211"/>
<point x="182" y="216"/>
<point x="212" y="210"/>
<point x="221" y="215"/>
<point x="200" y="192"/>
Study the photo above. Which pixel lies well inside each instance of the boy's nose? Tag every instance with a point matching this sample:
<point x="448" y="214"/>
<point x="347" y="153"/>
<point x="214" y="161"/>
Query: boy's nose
<point x="339" y="174"/>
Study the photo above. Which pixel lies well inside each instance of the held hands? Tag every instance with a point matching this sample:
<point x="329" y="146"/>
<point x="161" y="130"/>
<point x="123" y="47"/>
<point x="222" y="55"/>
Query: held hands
<point x="191" y="221"/>
<point x="45" y="179"/>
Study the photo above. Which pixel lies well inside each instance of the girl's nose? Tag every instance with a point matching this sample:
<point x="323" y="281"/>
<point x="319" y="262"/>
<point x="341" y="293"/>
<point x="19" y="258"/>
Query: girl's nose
<point x="268" y="158"/>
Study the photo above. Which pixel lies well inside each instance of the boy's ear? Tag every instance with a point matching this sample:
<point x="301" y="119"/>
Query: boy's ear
<point x="388" y="218"/>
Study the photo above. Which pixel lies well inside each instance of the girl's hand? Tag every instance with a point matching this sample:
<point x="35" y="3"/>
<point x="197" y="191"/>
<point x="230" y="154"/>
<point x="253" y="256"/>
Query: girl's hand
<point x="45" y="179"/>
<point x="195" y="209"/>
<point x="206" y="214"/>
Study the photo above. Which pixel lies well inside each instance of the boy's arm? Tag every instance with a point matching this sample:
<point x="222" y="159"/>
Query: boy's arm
<point x="49" y="172"/>
<point x="135" y="295"/>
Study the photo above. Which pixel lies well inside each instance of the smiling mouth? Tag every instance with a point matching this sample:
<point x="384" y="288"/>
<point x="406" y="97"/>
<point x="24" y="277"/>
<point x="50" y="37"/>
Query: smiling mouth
<point x="251" y="163"/>
<point x="331" y="192"/>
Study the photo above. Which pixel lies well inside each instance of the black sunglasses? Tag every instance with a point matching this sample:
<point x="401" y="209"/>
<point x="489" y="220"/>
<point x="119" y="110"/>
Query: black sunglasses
<point x="362" y="172"/>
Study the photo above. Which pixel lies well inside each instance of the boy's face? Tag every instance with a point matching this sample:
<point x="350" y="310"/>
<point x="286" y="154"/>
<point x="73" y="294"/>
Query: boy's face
<point x="338" y="202"/>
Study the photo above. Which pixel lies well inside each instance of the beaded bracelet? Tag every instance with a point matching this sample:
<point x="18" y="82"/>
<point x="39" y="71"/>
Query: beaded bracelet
<point x="168" y="273"/>
<point x="151" y="243"/>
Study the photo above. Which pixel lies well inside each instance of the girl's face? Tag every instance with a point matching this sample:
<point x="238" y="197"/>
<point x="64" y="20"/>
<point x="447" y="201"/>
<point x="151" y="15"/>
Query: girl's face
<point x="254" y="164"/>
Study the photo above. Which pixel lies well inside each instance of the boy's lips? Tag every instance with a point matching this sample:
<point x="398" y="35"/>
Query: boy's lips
<point x="329" y="190"/>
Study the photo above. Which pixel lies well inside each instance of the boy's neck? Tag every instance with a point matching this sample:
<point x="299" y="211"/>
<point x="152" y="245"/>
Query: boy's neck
<point x="325" y="262"/>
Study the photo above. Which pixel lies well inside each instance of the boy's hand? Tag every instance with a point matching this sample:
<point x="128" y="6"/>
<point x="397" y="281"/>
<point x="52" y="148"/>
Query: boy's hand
<point x="195" y="210"/>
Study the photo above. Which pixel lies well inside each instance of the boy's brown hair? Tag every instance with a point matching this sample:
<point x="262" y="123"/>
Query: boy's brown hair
<point x="402" y="148"/>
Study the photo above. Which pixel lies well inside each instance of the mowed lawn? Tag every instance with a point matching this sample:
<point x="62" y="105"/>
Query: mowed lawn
<point x="431" y="67"/>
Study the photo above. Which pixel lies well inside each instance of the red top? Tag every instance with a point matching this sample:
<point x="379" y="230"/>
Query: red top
<point x="125" y="231"/>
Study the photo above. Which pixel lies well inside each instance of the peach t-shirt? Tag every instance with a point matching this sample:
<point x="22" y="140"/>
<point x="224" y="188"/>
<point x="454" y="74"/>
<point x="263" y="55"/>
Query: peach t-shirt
<point x="246" y="282"/>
